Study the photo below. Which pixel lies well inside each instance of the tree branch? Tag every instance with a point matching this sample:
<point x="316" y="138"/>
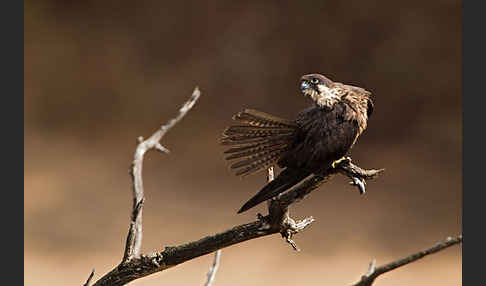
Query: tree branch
<point x="372" y="274"/>
<point x="171" y="256"/>
<point x="89" y="278"/>
<point x="280" y="217"/>
<point x="213" y="269"/>
<point x="134" y="237"/>
<point x="135" y="265"/>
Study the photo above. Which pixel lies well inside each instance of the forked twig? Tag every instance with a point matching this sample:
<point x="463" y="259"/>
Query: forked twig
<point x="134" y="237"/>
<point x="373" y="272"/>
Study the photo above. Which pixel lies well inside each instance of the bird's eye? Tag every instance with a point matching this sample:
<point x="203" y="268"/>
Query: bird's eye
<point x="314" y="81"/>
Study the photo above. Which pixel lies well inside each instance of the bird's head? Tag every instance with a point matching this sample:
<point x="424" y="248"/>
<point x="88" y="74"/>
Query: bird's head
<point x="319" y="88"/>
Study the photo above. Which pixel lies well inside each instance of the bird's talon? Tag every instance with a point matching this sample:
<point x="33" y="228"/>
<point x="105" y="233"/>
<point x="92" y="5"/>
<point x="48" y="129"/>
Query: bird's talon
<point x="360" y="184"/>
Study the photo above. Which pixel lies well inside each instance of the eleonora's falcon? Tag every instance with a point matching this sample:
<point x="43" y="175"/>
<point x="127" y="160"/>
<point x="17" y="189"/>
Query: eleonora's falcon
<point x="310" y="144"/>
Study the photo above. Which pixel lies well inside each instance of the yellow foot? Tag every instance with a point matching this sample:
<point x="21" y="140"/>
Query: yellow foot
<point x="337" y="162"/>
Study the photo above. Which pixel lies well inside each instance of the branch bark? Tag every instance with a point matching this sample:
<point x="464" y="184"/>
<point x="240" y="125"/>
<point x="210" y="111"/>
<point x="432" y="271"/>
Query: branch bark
<point x="135" y="265"/>
<point x="373" y="273"/>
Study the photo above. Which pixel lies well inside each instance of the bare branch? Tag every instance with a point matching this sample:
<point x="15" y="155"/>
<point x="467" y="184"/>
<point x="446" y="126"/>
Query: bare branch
<point x="172" y="256"/>
<point x="280" y="217"/>
<point x="345" y="167"/>
<point x="372" y="274"/>
<point x="275" y="222"/>
<point x="213" y="269"/>
<point x="134" y="237"/>
<point x="371" y="268"/>
<point x="292" y="227"/>
<point x="89" y="278"/>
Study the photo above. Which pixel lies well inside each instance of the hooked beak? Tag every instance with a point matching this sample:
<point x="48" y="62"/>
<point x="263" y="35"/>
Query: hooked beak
<point x="304" y="85"/>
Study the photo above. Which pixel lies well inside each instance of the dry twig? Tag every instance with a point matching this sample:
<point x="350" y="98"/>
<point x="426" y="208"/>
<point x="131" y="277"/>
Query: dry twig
<point x="134" y="238"/>
<point x="373" y="273"/>
<point x="213" y="269"/>
<point x="89" y="278"/>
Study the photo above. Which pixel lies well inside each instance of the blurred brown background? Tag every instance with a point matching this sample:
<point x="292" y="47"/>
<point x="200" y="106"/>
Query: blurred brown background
<point x="98" y="74"/>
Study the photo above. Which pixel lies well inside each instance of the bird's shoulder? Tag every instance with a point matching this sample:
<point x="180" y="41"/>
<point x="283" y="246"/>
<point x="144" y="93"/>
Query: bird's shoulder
<point x="347" y="88"/>
<point x="323" y="115"/>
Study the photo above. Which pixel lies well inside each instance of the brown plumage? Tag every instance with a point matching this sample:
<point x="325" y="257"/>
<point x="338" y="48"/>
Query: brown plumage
<point x="261" y="141"/>
<point x="319" y="135"/>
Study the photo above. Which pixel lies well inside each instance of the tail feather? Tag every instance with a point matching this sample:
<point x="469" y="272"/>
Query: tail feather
<point x="256" y="131"/>
<point x="285" y="180"/>
<point x="260" y="140"/>
<point x="258" y="165"/>
<point x="255" y="158"/>
<point x="251" y="147"/>
<point x="250" y="139"/>
<point x="260" y="149"/>
<point x="241" y="140"/>
<point x="261" y="119"/>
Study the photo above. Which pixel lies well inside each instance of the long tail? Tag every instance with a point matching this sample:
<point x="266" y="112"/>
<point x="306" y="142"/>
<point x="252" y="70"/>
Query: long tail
<point x="285" y="180"/>
<point x="258" y="141"/>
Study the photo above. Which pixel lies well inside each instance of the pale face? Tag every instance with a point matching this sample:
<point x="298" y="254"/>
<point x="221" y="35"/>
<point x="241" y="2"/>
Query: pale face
<point x="319" y="89"/>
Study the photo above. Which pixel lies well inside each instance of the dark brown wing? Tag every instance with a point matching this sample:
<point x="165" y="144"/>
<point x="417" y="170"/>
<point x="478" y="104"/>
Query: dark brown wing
<point x="323" y="136"/>
<point x="259" y="140"/>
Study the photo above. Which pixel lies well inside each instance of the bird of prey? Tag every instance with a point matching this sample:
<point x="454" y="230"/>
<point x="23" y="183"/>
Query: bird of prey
<point x="311" y="144"/>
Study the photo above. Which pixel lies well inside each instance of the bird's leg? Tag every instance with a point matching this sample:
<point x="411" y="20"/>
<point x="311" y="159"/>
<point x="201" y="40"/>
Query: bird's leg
<point x="360" y="183"/>
<point x="339" y="161"/>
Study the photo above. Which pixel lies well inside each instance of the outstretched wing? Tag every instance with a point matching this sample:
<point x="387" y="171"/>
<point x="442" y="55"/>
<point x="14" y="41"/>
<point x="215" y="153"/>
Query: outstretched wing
<point x="259" y="140"/>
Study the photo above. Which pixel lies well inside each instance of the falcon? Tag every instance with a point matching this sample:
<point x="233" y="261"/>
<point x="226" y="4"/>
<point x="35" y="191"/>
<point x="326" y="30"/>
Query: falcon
<point x="319" y="137"/>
